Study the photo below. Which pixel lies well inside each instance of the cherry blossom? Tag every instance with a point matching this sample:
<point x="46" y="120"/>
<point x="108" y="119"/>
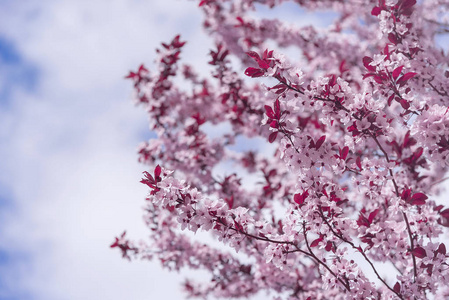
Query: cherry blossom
<point x="360" y="128"/>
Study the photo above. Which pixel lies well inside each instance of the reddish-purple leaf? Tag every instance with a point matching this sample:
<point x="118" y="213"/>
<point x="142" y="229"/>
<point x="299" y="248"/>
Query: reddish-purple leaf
<point x="277" y="108"/>
<point x="230" y="201"/>
<point x="366" y="62"/>
<point x="406" y="194"/>
<point x="378" y="79"/>
<point x="376" y="11"/>
<point x="419" y="252"/>
<point x="142" y="67"/>
<point x="397" y="287"/>
<point x="445" y="213"/>
<point x="392" y="38"/>
<point x="408" y="141"/>
<point x="417" y="154"/>
<point x="358" y="161"/>
<point x="406" y="77"/>
<point x="418" y="199"/>
<point x="442" y="249"/>
<point x="344" y="152"/>
<point x="408" y="3"/>
<point x="272" y="137"/>
<point x="397" y="72"/>
<point x="390" y="99"/>
<point x="342" y="67"/>
<point x="404" y="104"/>
<point x="272" y="173"/>
<point x="372" y="215"/>
<point x="316" y="242"/>
<point x="253" y="55"/>
<point x="320" y="142"/>
<point x="269" y="111"/>
<point x="131" y="75"/>
<point x="263" y="64"/>
<point x="254" y="72"/>
<point x="157" y="171"/>
<point x="328" y="246"/>
<point x="298" y="198"/>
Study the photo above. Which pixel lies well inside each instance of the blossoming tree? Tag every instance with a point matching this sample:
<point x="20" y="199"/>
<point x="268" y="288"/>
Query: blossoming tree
<point x="361" y="131"/>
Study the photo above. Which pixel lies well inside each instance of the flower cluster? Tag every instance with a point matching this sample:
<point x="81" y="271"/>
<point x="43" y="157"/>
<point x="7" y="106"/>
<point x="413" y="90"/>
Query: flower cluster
<point x="360" y="128"/>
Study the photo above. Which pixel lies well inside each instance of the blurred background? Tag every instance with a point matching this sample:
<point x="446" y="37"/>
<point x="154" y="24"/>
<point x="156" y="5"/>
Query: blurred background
<point x="69" y="177"/>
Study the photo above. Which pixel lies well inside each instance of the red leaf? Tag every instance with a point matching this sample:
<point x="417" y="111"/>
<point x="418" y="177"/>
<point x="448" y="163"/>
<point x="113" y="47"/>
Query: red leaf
<point x="445" y="213"/>
<point x="344" y="152"/>
<point x="131" y="75"/>
<point x="372" y="216"/>
<point x="406" y="194"/>
<point x="377" y="79"/>
<point x="390" y="99"/>
<point x="316" y="242"/>
<point x="392" y="38"/>
<point x="418" y="199"/>
<point x="366" y="62"/>
<point x="254" y="72"/>
<point x="272" y="137"/>
<point x="142" y="67"/>
<point x="320" y="142"/>
<point x="442" y="249"/>
<point x="408" y="3"/>
<point x="397" y="287"/>
<point x="328" y="246"/>
<point x="397" y="72"/>
<point x="358" y="162"/>
<point x="342" y="67"/>
<point x="263" y="64"/>
<point x="277" y="108"/>
<point x="298" y="198"/>
<point x="406" y="77"/>
<point x="408" y="141"/>
<point x="157" y="171"/>
<point x="404" y="104"/>
<point x="419" y="252"/>
<point x="230" y="201"/>
<point x="269" y="111"/>
<point x="376" y="11"/>
<point x="417" y="154"/>
<point x="253" y="55"/>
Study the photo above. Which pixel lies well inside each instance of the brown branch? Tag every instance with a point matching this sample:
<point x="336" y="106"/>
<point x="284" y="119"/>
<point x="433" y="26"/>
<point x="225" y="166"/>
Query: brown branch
<point x="345" y="284"/>
<point x="360" y="250"/>
<point x="411" y="245"/>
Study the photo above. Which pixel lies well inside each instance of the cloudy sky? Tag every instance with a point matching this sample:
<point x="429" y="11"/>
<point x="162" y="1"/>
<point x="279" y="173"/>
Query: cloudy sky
<point x="69" y="179"/>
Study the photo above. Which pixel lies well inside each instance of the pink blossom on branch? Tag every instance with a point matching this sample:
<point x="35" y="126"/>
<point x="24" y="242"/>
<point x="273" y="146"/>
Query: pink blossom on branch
<point x="361" y="130"/>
